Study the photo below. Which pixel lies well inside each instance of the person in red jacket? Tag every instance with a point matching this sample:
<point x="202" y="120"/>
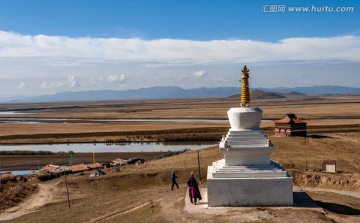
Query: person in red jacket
<point x="194" y="192"/>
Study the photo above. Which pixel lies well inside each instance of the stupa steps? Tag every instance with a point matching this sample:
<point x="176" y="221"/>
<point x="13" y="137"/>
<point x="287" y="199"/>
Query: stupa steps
<point x="249" y="175"/>
<point x="268" y="171"/>
<point x="244" y="131"/>
<point x="246" y="134"/>
<point x="249" y="146"/>
<point x="247" y="142"/>
<point x="251" y="141"/>
<point x="258" y="136"/>
<point x="220" y="164"/>
<point x="249" y="171"/>
<point x="246" y="168"/>
<point x="272" y="165"/>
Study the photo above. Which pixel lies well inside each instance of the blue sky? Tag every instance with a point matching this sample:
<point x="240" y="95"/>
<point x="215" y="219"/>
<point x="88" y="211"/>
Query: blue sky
<point x="72" y="45"/>
<point x="175" y="19"/>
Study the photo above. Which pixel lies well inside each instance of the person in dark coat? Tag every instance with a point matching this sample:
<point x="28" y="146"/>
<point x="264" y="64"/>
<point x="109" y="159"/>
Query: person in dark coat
<point x="194" y="192"/>
<point x="173" y="180"/>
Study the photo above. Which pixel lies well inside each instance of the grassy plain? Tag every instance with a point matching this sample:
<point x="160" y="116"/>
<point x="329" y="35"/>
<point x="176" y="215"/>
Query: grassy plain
<point x="142" y="193"/>
<point x="91" y="128"/>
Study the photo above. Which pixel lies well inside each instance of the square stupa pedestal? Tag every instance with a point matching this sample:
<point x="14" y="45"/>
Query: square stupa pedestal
<point x="246" y="176"/>
<point x="248" y="186"/>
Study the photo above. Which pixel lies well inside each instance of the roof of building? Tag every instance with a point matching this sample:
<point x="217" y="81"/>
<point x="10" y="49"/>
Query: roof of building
<point x="62" y="169"/>
<point x="290" y="118"/>
<point x="117" y="160"/>
<point x="93" y="165"/>
<point x="329" y="162"/>
<point x="7" y="175"/>
<point x="50" y="167"/>
<point x="77" y="168"/>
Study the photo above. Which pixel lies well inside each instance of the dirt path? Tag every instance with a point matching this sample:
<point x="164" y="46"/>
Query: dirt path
<point x="116" y="214"/>
<point x="39" y="199"/>
<point x="339" y="205"/>
<point x="341" y="192"/>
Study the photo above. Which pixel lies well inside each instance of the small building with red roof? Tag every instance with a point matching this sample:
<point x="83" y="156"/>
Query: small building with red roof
<point x="329" y="166"/>
<point x="290" y="126"/>
<point x="50" y="168"/>
<point x="93" y="166"/>
<point x="7" y="176"/>
<point x="117" y="161"/>
<point x="77" y="168"/>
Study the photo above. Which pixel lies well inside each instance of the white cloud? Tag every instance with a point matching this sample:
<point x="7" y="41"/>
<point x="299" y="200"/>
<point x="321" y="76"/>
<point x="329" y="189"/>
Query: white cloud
<point x="200" y="73"/>
<point x="94" y="63"/>
<point x="116" y="78"/>
<point x="174" y="51"/>
<point x="182" y="78"/>
<point x="51" y="85"/>
<point x="112" y="78"/>
<point x="22" y="85"/>
<point x="73" y="81"/>
<point x="122" y="78"/>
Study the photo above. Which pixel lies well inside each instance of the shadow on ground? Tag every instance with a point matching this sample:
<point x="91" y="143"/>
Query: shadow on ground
<point x="339" y="208"/>
<point x="318" y="136"/>
<point x="302" y="199"/>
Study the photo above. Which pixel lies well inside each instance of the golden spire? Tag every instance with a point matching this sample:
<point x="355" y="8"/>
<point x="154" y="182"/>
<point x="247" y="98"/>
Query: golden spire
<point x="245" y="92"/>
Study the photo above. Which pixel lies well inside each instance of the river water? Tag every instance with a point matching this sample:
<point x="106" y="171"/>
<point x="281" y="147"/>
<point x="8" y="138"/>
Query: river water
<point x="125" y="147"/>
<point x="74" y="120"/>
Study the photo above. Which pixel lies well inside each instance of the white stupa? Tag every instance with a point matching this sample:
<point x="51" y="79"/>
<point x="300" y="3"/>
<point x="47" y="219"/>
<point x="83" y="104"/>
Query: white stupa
<point x="247" y="176"/>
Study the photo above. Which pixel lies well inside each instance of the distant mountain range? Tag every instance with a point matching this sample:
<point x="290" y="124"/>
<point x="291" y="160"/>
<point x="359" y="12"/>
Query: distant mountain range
<point x="142" y="93"/>
<point x="315" y="90"/>
<point x="171" y="92"/>
<point x="259" y="94"/>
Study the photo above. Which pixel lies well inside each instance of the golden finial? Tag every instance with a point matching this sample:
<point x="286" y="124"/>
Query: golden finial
<point x="245" y="92"/>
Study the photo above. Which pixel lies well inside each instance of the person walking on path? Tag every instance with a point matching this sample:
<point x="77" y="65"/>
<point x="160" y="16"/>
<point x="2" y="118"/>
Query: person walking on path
<point x="173" y="180"/>
<point x="194" y="192"/>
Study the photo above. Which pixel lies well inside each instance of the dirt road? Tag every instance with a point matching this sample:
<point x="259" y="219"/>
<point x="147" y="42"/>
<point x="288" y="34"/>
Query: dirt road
<point x="35" y="201"/>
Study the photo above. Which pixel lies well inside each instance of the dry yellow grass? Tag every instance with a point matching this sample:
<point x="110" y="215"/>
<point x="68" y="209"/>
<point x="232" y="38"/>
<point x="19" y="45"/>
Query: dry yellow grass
<point x="160" y="109"/>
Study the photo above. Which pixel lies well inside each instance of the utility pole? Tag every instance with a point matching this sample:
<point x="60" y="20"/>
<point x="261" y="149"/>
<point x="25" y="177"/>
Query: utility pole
<point x="67" y="188"/>
<point x="0" y="178"/>
<point x="94" y="156"/>
<point x="198" y="153"/>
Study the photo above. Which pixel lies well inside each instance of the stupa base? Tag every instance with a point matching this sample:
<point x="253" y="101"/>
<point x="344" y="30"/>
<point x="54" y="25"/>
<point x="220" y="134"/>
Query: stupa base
<point x="248" y="186"/>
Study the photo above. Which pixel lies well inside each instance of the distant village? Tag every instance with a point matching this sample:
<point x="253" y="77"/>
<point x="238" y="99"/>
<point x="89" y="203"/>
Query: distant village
<point x="94" y="169"/>
<point x="53" y="171"/>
